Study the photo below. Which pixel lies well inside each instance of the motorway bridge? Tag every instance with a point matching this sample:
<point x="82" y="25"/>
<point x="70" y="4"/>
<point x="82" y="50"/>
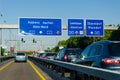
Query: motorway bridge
<point x="45" y="69"/>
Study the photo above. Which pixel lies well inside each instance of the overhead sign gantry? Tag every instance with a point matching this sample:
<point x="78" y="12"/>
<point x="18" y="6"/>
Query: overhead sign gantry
<point x="40" y="26"/>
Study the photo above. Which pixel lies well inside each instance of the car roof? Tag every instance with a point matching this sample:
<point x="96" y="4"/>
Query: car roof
<point x="105" y="42"/>
<point x="21" y="52"/>
<point x="73" y="48"/>
<point x="49" y="52"/>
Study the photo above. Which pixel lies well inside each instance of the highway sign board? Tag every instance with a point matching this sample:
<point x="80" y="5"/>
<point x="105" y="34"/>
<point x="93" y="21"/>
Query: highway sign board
<point x="75" y="27"/>
<point x="94" y="27"/>
<point x="40" y="26"/>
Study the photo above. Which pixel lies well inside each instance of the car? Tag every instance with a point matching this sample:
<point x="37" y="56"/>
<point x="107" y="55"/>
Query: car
<point x="68" y="54"/>
<point x="40" y="55"/>
<point x="102" y="54"/>
<point x="20" y="57"/>
<point x="48" y="55"/>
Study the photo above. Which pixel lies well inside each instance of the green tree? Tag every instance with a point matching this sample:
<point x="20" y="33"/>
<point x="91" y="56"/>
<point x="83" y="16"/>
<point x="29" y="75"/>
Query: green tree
<point x="72" y="42"/>
<point x="2" y="51"/>
<point x="55" y="49"/>
<point x="82" y="42"/>
<point x="62" y="43"/>
<point x="110" y="25"/>
<point x="118" y="25"/>
<point x="115" y="35"/>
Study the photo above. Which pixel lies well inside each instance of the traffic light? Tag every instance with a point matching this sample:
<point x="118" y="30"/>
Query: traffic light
<point x="22" y="40"/>
<point x="34" y="41"/>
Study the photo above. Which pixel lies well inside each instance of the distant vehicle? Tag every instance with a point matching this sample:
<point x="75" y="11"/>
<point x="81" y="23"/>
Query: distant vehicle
<point x="48" y="55"/>
<point x="102" y="54"/>
<point x="68" y="54"/>
<point x="40" y="55"/>
<point x="20" y="57"/>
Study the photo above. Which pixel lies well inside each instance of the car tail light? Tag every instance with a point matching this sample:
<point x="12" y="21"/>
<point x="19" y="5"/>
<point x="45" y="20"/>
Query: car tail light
<point x="111" y="61"/>
<point x="65" y="57"/>
<point x="116" y="62"/>
<point x="46" y="57"/>
<point x="108" y="61"/>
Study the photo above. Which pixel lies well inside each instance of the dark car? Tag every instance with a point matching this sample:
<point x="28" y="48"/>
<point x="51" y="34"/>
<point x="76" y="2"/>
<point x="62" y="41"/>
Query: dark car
<point x="48" y="55"/>
<point x="103" y="54"/>
<point x="68" y="54"/>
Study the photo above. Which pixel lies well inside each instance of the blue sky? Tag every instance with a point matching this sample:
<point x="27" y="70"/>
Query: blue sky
<point x="107" y="10"/>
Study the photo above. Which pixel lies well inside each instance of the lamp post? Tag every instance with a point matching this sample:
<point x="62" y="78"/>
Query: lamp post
<point x="1" y="15"/>
<point x="0" y="37"/>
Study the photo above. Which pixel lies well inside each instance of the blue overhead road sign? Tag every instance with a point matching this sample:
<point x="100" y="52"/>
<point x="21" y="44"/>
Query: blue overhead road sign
<point x="94" y="28"/>
<point x="75" y="27"/>
<point x="40" y="26"/>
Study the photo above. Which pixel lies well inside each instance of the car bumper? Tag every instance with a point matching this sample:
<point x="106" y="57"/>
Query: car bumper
<point x="113" y="68"/>
<point x="20" y="59"/>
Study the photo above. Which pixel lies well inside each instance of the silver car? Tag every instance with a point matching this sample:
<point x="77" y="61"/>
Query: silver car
<point x="20" y="57"/>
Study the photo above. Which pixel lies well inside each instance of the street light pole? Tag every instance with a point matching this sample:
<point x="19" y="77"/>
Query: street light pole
<point x="0" y="41"/>
<point x="4" y="21"/>
<point x="0" y="38"/>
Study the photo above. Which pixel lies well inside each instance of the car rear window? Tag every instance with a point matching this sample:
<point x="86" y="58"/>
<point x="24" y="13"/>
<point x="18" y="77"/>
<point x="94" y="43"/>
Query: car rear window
<point x="73" y="52"/>
<point x="114" y="49"/>
<point x="21" y="54"/>
<point x="50" y="54"/>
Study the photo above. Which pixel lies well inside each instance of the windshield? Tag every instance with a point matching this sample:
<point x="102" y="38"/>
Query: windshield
<point x="20" y="54"/>
<point x="114" y="49"/>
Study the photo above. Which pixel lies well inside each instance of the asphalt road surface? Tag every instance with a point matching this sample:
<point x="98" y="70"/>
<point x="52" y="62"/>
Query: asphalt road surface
<point x="19" y="71"/>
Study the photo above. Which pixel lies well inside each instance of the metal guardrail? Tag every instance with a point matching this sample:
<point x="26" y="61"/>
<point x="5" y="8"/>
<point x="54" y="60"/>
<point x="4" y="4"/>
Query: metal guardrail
<point x="74" y="71"/>
<point x="4" y="58"/>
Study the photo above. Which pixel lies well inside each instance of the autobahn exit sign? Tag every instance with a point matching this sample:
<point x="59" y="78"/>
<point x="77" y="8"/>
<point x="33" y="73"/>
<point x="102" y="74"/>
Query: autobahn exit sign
<point x="94" y="27"/>
<point x="40" y="26"/>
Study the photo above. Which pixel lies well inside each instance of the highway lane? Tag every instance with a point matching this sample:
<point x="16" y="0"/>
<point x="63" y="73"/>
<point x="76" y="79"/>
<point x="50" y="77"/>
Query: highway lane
<point x="20" y="71"/>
